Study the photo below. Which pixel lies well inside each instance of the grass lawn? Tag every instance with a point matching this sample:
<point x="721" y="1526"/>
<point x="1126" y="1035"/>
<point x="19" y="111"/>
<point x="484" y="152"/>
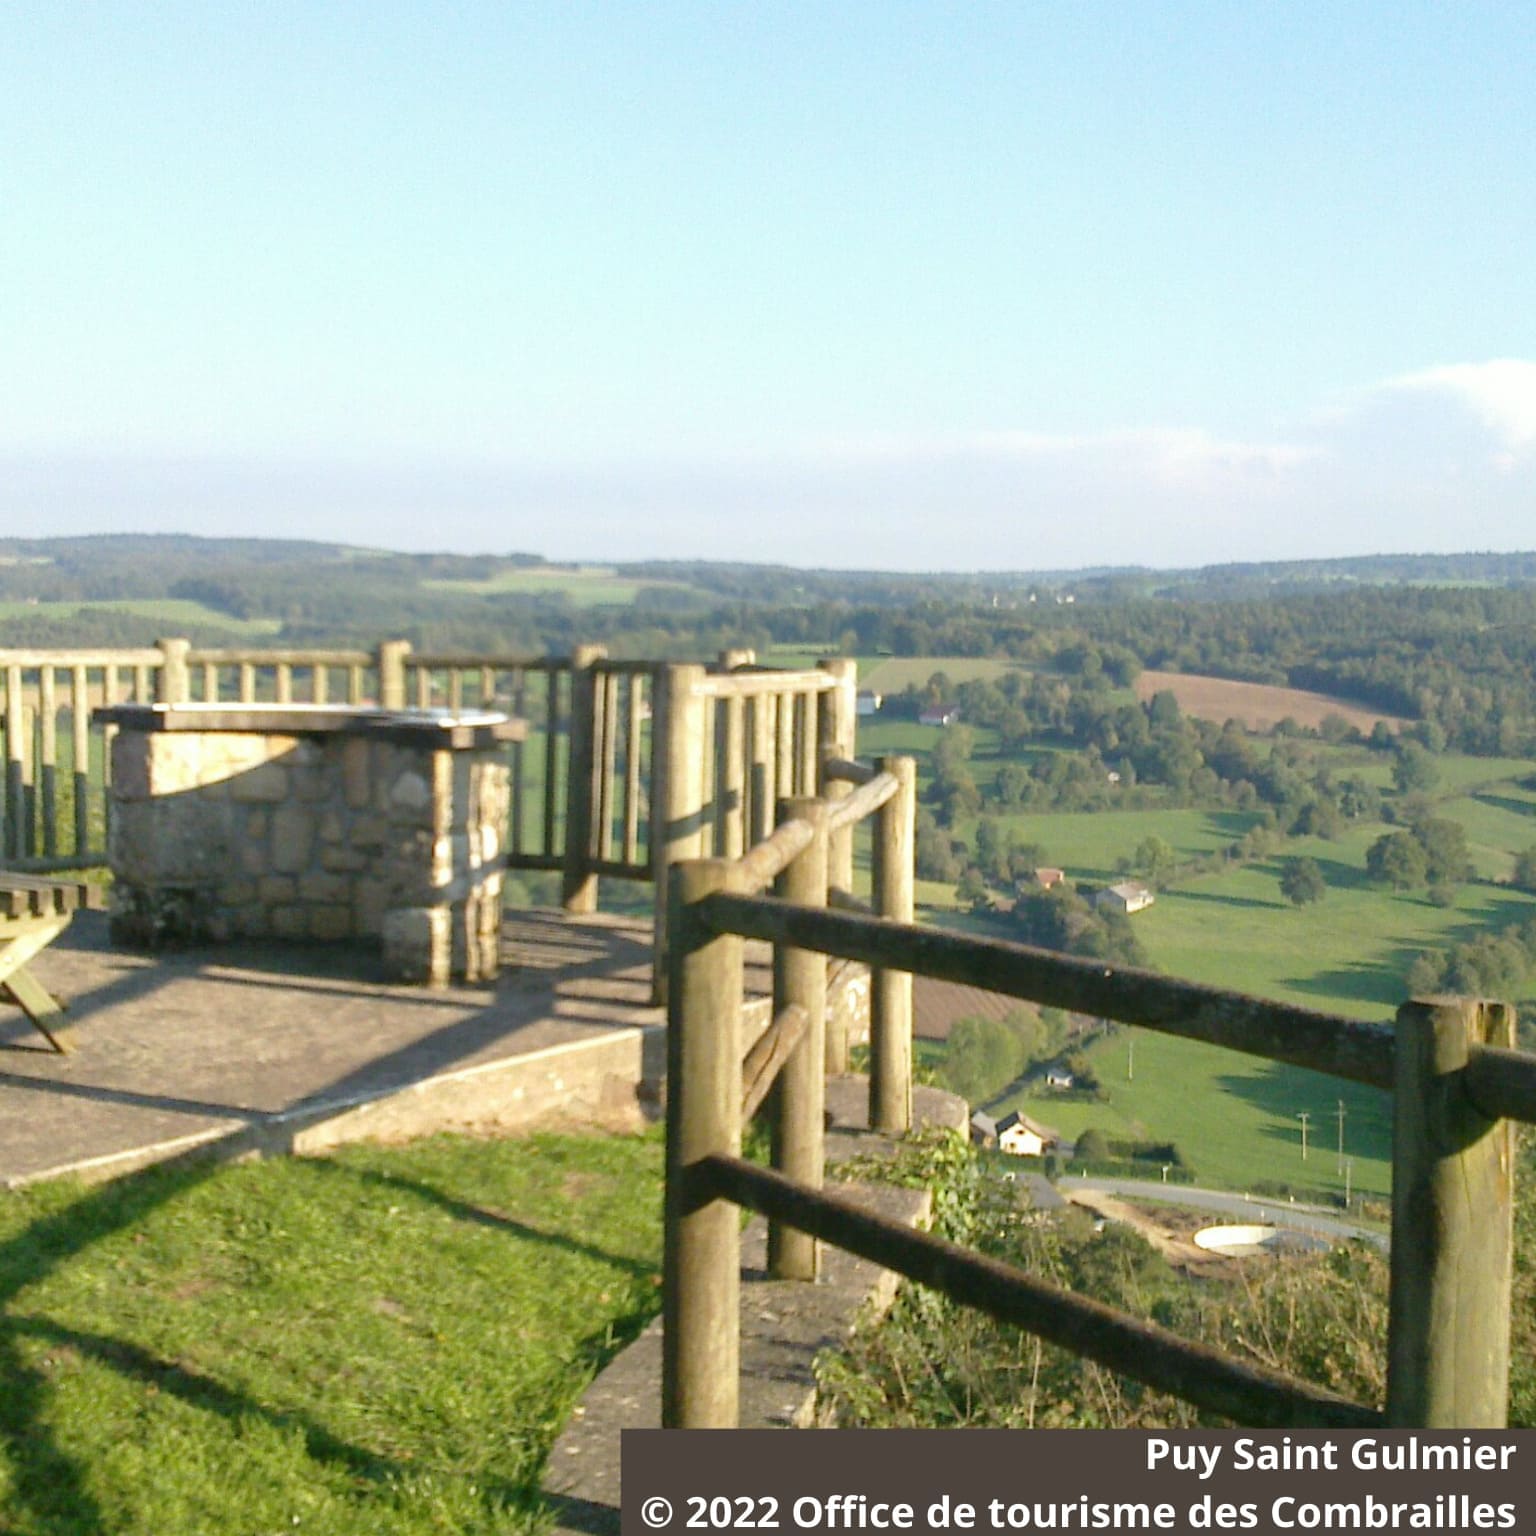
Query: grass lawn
<point x="381" y="1341"/>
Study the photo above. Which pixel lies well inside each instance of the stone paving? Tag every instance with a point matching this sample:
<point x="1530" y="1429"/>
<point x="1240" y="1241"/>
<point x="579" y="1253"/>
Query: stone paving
<point x="294" y="1047"/>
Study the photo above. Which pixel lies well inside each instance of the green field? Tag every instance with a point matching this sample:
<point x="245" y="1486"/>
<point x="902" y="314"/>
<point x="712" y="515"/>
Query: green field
<point x="1088" y="844"/>
<point x="176" y="614"/>
<point x="1500" y="822"/>
<point x="1233" y="1117"/>
<point x="892" y="674"/>
<point x="587" y="586"/>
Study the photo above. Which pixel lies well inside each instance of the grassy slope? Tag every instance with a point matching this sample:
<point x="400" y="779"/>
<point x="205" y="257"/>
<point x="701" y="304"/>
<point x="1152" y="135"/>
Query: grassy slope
<point x="176" y="613"/>
<point x="383" y="1341"/>
<point x="586" y="586"/>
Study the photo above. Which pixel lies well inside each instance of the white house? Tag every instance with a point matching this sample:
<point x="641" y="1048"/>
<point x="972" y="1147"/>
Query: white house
<point x="1129" y="896"/>
<point x="868" y="702"/>
<point x="1022" y="1137"/>
<point x="946" y="714"/>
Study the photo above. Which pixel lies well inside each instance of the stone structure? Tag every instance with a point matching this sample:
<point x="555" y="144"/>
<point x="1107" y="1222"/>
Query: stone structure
<point x="313" y="823"/>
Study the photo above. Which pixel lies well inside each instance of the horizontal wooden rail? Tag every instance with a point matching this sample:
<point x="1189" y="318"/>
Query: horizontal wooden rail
<point x="232" y="656"/>
<point x="747" y="685"/>
<point x="841" y="770"/>
<point x="1502" y="1083"/>
<point x="1200" y="1375"/>
<point x="762" y="865"/>
<point x="760" y="1066"/>
<point x="469" y="660"/>
<point x="864" y="801"/>
<point x="1323" y="1042"/>
<point x="139" y="656"/>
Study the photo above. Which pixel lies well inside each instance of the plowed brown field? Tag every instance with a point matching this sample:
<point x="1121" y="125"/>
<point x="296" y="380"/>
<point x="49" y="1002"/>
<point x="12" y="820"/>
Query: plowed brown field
<point x="1255" y="705"/>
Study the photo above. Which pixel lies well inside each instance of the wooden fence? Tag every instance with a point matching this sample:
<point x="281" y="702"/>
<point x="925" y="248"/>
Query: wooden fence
<point x="1457" y="1086"/>
<point x="627" y="766"/>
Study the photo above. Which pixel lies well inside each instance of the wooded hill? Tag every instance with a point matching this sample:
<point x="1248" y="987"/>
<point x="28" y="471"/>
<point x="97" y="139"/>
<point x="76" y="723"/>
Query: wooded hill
<point x="1449" y="640"/>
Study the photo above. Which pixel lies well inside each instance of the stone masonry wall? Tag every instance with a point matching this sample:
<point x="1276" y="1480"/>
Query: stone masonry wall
<point x="229" y="834"/>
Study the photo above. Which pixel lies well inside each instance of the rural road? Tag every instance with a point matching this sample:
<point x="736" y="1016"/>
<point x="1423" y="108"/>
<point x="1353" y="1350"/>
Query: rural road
<point x="1277" y="1213"/>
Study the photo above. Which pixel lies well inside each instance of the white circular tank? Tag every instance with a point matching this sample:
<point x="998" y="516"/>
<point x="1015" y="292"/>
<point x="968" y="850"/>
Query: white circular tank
<point x="1252" y="1241"/>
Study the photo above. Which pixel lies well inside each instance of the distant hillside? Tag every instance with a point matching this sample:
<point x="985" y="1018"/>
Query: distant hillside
<point x="1445" y="640"/>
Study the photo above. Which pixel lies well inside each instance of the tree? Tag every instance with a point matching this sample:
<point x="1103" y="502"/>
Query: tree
<point x="1525" y="870"/>
<point x="1398" y="860"/>
<point x="1414" y="769"/>
<point x="1301" y="881"/>
<point x="972" y="892"/>
<point x="1154" y="858"/>
<point x="1013" y="783"/>
<point x="1447" y="861"/>
<point x="1092" y="1146"/>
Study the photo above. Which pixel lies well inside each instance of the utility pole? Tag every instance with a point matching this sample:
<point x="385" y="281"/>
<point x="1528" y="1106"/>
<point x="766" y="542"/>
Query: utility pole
<point x="1304" y="1116"/>
<point x="1339" y="1113"/>
<point x="1130" y="1053"/>
<point x="1349" y="1168"/>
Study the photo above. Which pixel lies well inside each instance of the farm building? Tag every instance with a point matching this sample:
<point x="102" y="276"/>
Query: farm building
<point x="983" y="1130"/>
<point x="1045" y="877"/>
<point x="1022" y="1137"/>
<point x="944" y="714"/>
<point x="1060" y="1078"/>
<point x="1128" y="896"/>
<point x="868" y="702"/>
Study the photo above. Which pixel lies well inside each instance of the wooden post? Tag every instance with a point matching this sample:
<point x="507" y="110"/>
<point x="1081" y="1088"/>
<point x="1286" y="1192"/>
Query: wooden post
<point x="677" y="792"/>
<point x="837" y="728"/>
<point x="733" y="781"/>
<point x="80" y="744"/>
<point x="890" y="1000"/>
<point x="15" y="766"/>
<point x="734" y="839"/>
<point x="633" y="736"/>
<point x="390" y="661"/>
<point x="578" y="888"/>
<point x="760" y="770"/>
<point x="173" y="684"/>
<point x="701" y="1295"/>
<point x="48" y="759"/>
<point x="1452" y="1205"/>
<point x="607" y="763"/>
<point x="800" y="977"/>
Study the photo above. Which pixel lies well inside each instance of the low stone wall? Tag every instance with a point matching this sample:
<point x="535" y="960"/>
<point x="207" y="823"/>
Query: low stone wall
<point x="388" y="836"/>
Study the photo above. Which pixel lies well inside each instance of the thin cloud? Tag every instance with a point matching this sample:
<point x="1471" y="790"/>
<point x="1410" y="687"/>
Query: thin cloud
<point x="1500" y="394"/>
<point x="1168" y="455"/>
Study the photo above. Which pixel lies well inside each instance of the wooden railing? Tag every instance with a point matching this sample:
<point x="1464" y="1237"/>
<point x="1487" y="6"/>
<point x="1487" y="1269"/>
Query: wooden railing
<point x="627" y="767"/>
<point x="1457" y="1085"/>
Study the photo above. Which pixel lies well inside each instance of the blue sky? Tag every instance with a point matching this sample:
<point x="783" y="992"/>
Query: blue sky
<point x="960" y="286"/>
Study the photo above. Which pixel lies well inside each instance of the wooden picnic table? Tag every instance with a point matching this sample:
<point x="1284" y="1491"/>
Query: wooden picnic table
<point x="34" y="911"/>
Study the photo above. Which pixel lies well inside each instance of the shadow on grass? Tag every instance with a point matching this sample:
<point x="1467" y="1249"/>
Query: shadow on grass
<point x="1218" y="899"/>
<point x="1507" y="803"/>
<point x="483" y="1216"/>
<point x="1288" y="1092"/>
<point x="50" y="1488"/>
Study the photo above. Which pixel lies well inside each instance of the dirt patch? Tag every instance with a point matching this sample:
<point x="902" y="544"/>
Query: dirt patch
<point x="1258" y="706"/>
<point x="1168" y="1231"/>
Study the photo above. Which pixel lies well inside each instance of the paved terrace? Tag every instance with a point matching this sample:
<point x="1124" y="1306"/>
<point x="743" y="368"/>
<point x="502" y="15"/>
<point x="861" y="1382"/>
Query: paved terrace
<point x="294" y="1048"/>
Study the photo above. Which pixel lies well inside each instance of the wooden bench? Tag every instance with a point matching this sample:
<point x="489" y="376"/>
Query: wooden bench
<point x="34" y="911"/>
